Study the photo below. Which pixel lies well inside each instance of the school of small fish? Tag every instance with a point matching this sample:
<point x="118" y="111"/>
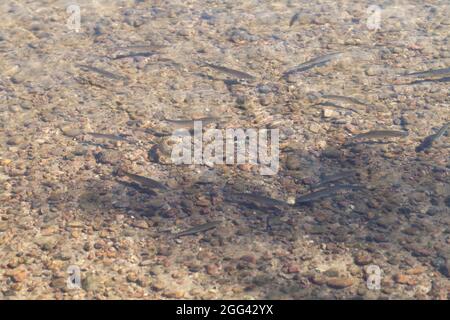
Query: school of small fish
<point x="327" y="187"/>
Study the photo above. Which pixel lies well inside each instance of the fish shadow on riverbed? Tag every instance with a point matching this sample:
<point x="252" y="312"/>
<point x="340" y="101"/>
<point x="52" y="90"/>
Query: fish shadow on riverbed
<point x="115" y="195"/>
<point x="137" y="187"/>
<point x="349" y="220"/>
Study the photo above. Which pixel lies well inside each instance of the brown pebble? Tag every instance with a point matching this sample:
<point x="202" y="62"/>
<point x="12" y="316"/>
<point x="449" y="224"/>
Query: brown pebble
<point x="49" y="230"/>
<point x="158" y="285"/>
<point x="204" y="255"/>
<point x="146" y="263"/>
<point x="245" y="167"/>
<point x="292" y="268"/>
<point x="174" y="294"/>
<point x="202" y="202"/>
<point x="132" y="277"/>
<point x="249" y="258"/>
<point x="229" y="269"/>
<point x="14" y="141"/>
<point x="18" y="275"/>
<point x="58" y="283"/>
<point x="164" y="251"/>
<point x="140" y="224"/>
<point x="405" y="279"/>
<point x="13" y="264"/>
<point x="362" y="259"/>
<point x="416" y="270"/>
<point x="76" y="224"/>
<point x="340" y="282"/>
<point x="212" y="270"/>
<point x="98" y="245"/>
<point x="5" y="162"/>
<point x="293" y="162"/>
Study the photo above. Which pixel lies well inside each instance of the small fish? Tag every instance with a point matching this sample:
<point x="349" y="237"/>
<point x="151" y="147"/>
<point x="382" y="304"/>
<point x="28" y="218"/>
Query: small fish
<point x="428" y="141"/>
<point x="146" y="182"/>
<point x="325" y="193"/>
<point x="200" y="228"/>
<point x="255" y="199"/>
<point x="158" y="133"/>
<point x="316" y="62"/>
<point x="445" y="79"/>
<point x="138" y="187"/>
<point x="321" y="59"/>
<point x="146" y="47"/>
<point x="378" y="134"/>
<point x="331" y="104"/>
<point x="87" y="81"/>
<point x="134" y="54"/>
<point x="189" y="124"/>
<point x="445" y="72"/>
<point x="102" y="72"/>
<point x="294" y="19"/>
<point x="107" y="136"/>
<point x="335" y="177"/>
<point x="231" y="72"/>
<point x="345" y="99"/>
<point x="301" y="69"/>
<point x="442" y="130"/>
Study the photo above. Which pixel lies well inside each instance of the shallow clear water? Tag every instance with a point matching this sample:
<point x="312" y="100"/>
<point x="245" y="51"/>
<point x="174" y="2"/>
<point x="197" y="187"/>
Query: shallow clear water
<point x="91" y="96"/>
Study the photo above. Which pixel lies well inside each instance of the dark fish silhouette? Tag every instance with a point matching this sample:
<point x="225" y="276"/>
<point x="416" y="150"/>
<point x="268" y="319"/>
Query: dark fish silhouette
<point x="334" y="105"/>
<point x="428" y="141"/>
<point x="134" y="54"/>
<point x="335" y="177"/>
<point x="107" y="136"/>
<point x="328" y="192"/>
<point x="144" y="181"/>
<point x="200" y="228"/>
<point x="316" y="62"/>
<point x="234" y="73"/>
<point x="144" y="47"/>
<point x="445" y="79"/>
<point x="102" y="72"/>
<point x="445" y="72"/>
<point x="294" y="19"/>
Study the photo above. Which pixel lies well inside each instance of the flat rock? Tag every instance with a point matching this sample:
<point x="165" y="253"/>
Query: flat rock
<point x="340" y="282"/>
